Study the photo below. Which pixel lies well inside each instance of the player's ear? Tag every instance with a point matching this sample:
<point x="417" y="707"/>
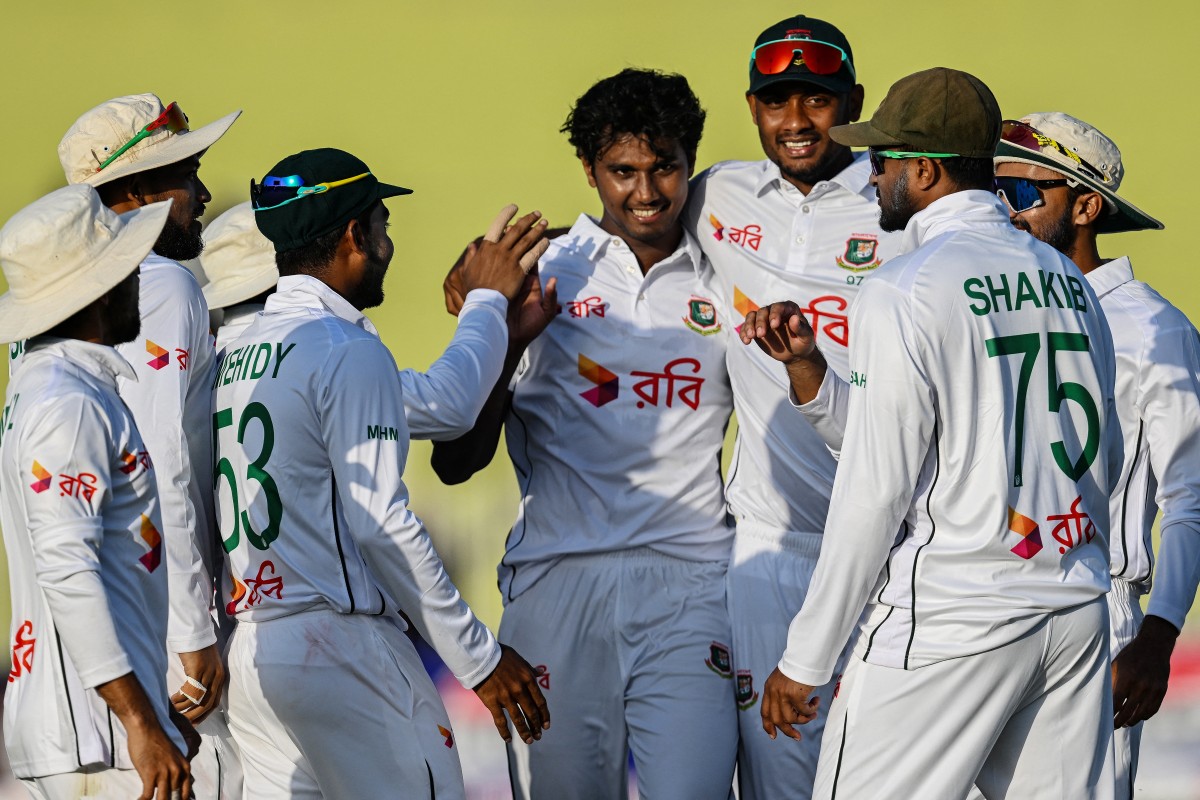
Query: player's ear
<point x="588" y="170"/>
<point x="354" y="238"/>
<point x="1088" y="209"/>
<point x="752" y="102"/>
<point x="855" y="102"/>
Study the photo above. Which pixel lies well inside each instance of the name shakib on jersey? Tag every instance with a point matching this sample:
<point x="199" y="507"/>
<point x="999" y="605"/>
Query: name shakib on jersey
<point x="251" y="362"/>
<point x="992" y="294"/>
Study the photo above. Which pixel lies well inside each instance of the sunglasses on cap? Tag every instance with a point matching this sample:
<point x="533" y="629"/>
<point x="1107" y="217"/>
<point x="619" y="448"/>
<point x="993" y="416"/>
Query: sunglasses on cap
<point x="819" y="58"/>
<point x="1023" y="135"/>
<point x="172" y="120"/>
<point x="275" y="192"/>
<point x="1022" y="194"/>
<point x="877" y="156"/>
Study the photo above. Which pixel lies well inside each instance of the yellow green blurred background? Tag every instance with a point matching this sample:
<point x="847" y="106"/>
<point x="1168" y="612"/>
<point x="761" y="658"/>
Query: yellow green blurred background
<point x="462" y="102"/>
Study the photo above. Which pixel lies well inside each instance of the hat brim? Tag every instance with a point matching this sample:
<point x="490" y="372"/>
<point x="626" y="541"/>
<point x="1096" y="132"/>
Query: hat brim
<point x="389" y="190"/>
<point x="838" y="83"/>
<point x="862" y="134"/>
<point x="1127" y="216"/>
<point x="176" y="147"/>
<point x="225" y="292"/>
<point x="22" y="318"/>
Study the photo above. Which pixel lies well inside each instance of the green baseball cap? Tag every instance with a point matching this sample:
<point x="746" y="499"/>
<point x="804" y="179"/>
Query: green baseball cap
<point x="940" y="110"/>
<point x="312" y="193"/>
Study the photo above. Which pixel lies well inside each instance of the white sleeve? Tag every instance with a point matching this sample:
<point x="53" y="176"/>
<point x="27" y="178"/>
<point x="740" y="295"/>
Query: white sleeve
<point x="361" y="387"/>
<point x="1169" y="401"/>
<point x="889" y="431"/>
<point x="66" y="532"/>
<point x="174" y="318"/>
<point x="827" y="411"/>
<point x="443" y="402"/>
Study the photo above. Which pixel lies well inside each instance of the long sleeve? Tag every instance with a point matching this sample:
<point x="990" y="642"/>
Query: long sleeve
<point x="443" y="402"/>
<point x="361" y="388"/>
<point x="66" y="530"/>
<point x="889" y="431"/>
<point x="827" y="411"/>
<point x="168" y="354"/>
<point x="1169" y="401"/>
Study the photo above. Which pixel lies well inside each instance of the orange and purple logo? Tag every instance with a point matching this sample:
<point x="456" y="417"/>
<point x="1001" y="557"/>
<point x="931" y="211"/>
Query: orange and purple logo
<point x="162" y="356"/>
<point x="1027" y="529"/>
<point x="607" y="384"/>
<point x="43" y="476"/>
<point x="153" y="538"/>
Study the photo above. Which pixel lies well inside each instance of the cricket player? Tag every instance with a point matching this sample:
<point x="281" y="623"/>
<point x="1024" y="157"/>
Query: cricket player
<point x="981" y="360"/>
<point x="86" y="710"/>
<point x="1059" y="177"/>
<point x="135" y="151"/>
<point x="440" y="403"/>
<point x="802" y="224"/>
<point x="326" y="562"/>
<point x="613" y="573"/>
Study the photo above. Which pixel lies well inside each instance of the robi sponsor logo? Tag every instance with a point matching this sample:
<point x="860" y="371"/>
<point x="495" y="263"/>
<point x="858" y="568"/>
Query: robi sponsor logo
<point x="607" y="384"/>
<point x="1070" y="530"/>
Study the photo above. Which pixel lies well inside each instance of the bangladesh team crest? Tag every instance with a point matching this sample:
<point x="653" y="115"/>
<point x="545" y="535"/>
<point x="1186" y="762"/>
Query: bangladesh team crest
<point x="744" y="693"/>
<point x="862" y="253"/>
<point x="702" y="316"/>
<point x="718" y="660"/>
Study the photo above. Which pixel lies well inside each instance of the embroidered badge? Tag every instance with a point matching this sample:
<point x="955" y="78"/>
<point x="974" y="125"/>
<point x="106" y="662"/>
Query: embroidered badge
<point x="744" y="693"/>
<point x="702" y="317"/>
<point x="862" y="253"/>
<point x="718" y="660"/>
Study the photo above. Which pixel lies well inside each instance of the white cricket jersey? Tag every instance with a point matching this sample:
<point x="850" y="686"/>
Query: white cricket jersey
<point x="1158" y="401"/>
<point x="981" y="444"/>
<point x="619" y="411"/>
<point x="443" y="402"/>
<point x="768" y="242"/>
<point x="171" y="401"/>
<point x="85" y="556"/>
<point x="312" y="441"/>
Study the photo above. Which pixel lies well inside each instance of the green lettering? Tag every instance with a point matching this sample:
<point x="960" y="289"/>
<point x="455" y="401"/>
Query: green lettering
<point x="244" y="359"/>
<point x="280" y="354"/>
<point x="372" y="431"/>
<point x="229" y="367"/>
<point x="1047" y="283"/>
<point x="974" y="289"/>
<point x="999" y="291"/>
<point x="263" y="349"/>
<point x="1025" y="291"/>
<point x="1077" y="295"/>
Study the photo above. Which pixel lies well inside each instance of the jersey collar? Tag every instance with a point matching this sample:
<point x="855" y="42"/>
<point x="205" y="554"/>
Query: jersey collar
<point x="588" y="239"/>
<point x="98" y="360"/>
<point x="305" y="291"/>
<point x="1112" y="275"/>
<point x="954" y="212"/>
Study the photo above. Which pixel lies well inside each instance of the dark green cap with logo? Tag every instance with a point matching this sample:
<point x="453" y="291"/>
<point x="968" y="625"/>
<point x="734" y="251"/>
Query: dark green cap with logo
<point x="304" y="219"/>
<point x="940" y="110"/>
<point x="805" y="28"/>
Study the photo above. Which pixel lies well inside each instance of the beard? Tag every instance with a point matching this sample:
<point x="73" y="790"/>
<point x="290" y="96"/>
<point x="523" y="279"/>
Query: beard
<point x="121" y="315"/>
<point x="369" y="292"/>
<point x="1061" y="234"/>
<point x="177" y="242"/>
<point x="897" y="208"/>
<point x="831" y="163"/>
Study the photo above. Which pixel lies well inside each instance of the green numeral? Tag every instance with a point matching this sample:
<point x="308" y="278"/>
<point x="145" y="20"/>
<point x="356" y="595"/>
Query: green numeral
<point x="256" y="471"/>
<point x="1029" y="345"/>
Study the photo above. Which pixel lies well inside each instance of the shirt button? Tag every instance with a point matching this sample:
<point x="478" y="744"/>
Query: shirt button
<point x="805" y="209"/>
<point x="799" y="240"/>
<point x="617" y="241"/>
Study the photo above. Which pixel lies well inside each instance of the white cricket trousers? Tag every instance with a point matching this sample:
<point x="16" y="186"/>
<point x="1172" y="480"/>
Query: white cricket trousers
<point x="636" y="650"/>
<point x="338" y="706"/>
<point x="92" y="783"/>
<point x="216" y="767"/>
<point x="1125" y="618"/>
<point x="769" y="575"/>
<point x="1031" y="720"/>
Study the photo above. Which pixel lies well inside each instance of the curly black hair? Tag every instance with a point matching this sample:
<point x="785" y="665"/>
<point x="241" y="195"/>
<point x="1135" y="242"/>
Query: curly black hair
<point x="643" y="102"/>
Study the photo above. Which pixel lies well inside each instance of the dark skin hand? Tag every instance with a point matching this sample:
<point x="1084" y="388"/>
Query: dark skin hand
<point x="786" y="703"/>
<point x="512" y="687"/>
<point x="454" y="288"/>
<point x="206" y="667"/>
<point x="160" y="765"/>
<point x="1140" y="672"/>
<point x="782" y="332"/>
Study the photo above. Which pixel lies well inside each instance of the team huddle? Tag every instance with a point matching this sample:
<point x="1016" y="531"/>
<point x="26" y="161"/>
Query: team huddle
<point x="956" y="426"/>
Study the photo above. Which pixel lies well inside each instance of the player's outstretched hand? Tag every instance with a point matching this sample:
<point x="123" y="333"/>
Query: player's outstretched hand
<point x="533" y="309"/>
<point x="513" y="687"/>
<point x="164" y="771"/>
<point x="506" y="254"/>
<point x="786" y="703"/>
<point x="202" y="686"/>
<point x="781" y="331"/>
<point x="1140" y="672"/>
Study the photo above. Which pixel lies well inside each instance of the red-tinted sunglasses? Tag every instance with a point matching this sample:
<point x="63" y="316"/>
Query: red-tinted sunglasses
<point x="172" y="119"/>
<point x="1023" y="135"/>
<point x="819" y="58"/>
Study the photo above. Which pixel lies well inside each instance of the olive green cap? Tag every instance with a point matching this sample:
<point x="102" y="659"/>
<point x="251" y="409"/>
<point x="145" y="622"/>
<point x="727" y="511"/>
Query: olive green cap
<point x="940" y="110"/>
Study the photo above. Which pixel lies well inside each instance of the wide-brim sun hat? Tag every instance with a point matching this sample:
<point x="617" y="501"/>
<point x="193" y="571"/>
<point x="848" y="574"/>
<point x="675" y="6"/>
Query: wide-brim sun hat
<point x="238" y="261"/>
<point x="1102" y="169"/>
<point x="66" y="250"/>
<point x="103" y="130"/>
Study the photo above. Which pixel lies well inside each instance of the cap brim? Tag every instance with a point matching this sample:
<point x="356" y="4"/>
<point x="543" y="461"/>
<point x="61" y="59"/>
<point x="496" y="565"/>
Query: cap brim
<point x="20" y="319"/>
<point x="838" y="83"/>
<point x="388" y="190"/>
<point x="174" y="148"/>
<point x="862" y="134"/>
<point x="1127" y="216"/>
